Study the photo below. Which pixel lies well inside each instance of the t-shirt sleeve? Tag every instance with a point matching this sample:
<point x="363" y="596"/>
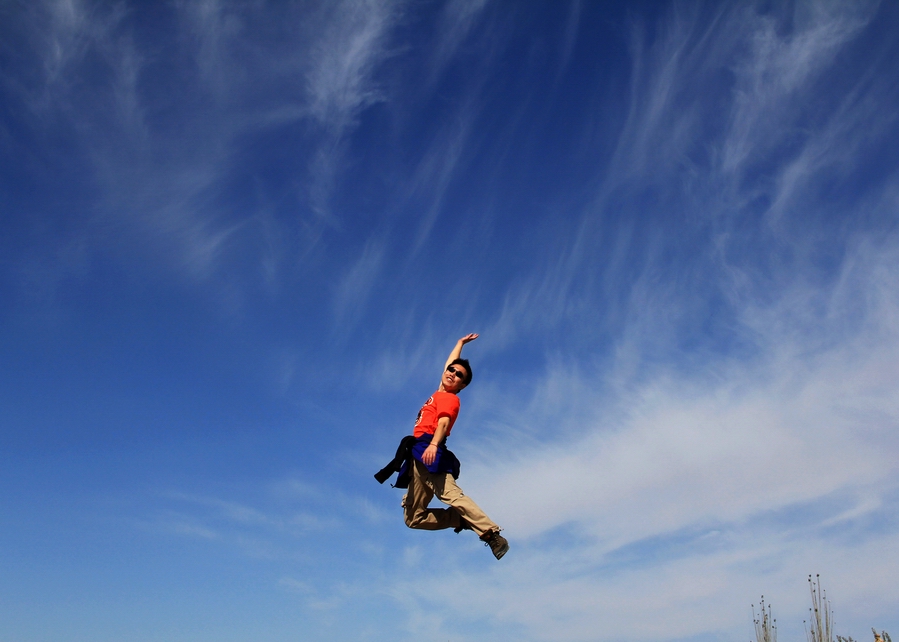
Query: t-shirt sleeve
<point x="447" y="405"/>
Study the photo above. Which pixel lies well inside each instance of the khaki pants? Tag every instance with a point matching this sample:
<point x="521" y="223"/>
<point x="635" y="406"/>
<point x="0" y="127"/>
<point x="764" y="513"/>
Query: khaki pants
<point x="424" y="486"/>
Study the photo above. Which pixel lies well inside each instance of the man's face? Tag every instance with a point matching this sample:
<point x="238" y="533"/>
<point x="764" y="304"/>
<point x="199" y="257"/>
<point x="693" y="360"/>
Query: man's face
<point x="453" y="378"/>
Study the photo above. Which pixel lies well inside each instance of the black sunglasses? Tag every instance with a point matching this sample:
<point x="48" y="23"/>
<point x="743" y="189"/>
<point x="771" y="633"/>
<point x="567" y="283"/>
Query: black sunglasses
<point x="456" y="373"/>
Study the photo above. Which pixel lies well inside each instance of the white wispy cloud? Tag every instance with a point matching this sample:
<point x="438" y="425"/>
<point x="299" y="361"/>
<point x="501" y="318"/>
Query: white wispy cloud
<point x="340" y="82"/>
<point x="352" y="293"/>
<point x="457" y="19"/>
<point x="163" y="147"/>
<point x="436" y="170"/>
<point x="92" y="94"/>
<point x="353" y="44"/>
<point x="541" y="300"/>
<point x="216" y="28"/>
<point x="70" y="29"/>
<point x="278" y="524"/>
<point x="738" y="439"/>
<point x="705" y="87"/>
<point x="660" y="122"/>
<point x="681" y="598"/>
<point x="571" y="32"/>
<point x="70" y="37"/>
<point x="776" y="67"/>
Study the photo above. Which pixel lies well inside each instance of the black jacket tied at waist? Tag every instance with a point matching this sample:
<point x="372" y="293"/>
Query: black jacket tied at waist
<point x="403" y="455"/>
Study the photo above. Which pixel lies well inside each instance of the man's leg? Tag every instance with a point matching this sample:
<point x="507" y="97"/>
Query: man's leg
<point x="415" y="505"/>
<point x="462" y="511"/>
<point x="463" y="506"/>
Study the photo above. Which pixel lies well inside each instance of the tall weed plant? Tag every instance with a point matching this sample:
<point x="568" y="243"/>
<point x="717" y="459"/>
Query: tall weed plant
<point x="818" y="628"/>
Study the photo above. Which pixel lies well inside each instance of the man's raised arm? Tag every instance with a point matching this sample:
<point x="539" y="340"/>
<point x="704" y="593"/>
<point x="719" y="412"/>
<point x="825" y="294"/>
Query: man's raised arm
<point x="457" y="351"/>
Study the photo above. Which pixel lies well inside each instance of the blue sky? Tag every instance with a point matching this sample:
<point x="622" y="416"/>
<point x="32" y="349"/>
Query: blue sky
<point x="238" y="240"/>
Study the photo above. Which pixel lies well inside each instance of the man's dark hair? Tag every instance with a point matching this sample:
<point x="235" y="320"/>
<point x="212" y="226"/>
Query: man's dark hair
<point x="464" y="363"/>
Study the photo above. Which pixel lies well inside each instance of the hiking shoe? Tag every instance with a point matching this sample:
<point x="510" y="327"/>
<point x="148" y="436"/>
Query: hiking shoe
<point x="497" y="543"/>
<point x="463" y="526"/>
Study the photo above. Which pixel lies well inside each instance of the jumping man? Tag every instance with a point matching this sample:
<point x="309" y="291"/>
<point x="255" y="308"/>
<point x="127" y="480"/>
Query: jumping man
<point x="434" y="469"/>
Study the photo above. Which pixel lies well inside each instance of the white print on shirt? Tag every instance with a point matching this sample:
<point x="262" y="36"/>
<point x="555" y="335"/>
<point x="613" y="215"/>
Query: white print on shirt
<point x="429" y="402"/>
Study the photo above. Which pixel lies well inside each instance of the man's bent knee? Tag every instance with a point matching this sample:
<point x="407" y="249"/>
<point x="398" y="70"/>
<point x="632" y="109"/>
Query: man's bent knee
<point x="414" y="521"/>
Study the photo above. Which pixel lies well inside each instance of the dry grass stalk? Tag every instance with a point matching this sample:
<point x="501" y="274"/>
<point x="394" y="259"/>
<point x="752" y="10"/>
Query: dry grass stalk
<point x="821" y="626"/>
<point x="765" y="624"/>
<point x="883" y="636"/>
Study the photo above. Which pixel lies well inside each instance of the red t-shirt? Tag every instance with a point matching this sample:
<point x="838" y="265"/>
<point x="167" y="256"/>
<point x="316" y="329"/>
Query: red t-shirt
<point x="440" y="404"/>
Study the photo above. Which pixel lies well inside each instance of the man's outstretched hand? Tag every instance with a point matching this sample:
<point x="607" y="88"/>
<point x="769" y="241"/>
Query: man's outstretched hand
<point x="457" y="350"/>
